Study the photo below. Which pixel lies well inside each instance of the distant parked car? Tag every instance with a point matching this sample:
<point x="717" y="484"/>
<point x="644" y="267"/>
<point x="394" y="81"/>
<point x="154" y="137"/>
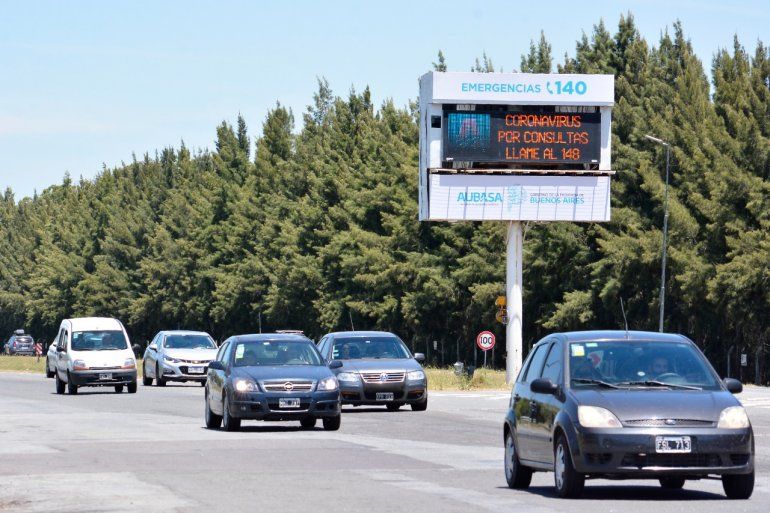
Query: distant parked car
<point x="271" y="376"/>
<point x="94" y="352"/>
<point x="377" y="369"/>
<point x="626" y="405"/>
<point x="20" y="344"/>
<point x="178" y="356"/>
<point x="51" y="358"/>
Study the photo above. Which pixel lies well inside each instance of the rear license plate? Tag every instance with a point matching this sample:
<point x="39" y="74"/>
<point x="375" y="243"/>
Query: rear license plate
<point x="288" y="402"/>
<point x="195" y="370"/>
<point x="384" y="396"/>
<point x="105" y="375"/>
<point x="672" y="444"/>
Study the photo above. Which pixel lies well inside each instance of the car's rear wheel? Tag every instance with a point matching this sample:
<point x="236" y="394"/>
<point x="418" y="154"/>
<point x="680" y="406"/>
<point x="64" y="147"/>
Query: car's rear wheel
<point x="118" y="388"/>
<point x="72" y="388"/>
<point x="145" y="380"/>
<point x="738" y="486"/>
<point x="420" y="405"/>
<point x="671" y="483"/>
<point x="307" y="423"/>
<point x="59" y="384"/>
<point x="517" y="475"/>
<point x="228" y="422"/>
<point x="159" y="377"/>
<point x="568" y="482"/>
<point x="48" y="373"/>
<point x="332" y="423"/>
<point x="213" y="421"/>
<point x="393" y="406"/>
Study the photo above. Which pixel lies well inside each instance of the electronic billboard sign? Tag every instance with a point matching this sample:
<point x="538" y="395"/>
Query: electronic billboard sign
<point x="528" y="135"/>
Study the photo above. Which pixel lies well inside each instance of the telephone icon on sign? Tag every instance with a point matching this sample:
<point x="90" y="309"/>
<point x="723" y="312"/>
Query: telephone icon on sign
<point x="548" y="87"/>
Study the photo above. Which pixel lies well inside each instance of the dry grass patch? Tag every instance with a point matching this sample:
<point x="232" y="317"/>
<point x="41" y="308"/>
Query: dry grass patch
<point x="483" y="379"/>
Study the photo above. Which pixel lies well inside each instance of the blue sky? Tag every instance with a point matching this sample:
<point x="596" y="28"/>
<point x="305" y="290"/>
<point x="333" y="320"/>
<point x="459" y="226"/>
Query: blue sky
<point x="85" y="83"/>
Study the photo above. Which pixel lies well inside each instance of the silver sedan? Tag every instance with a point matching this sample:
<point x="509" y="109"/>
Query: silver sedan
<point x="178" y="356"/>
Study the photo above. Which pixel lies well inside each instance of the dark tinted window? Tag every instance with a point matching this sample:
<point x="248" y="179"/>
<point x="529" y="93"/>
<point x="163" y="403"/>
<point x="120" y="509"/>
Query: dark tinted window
<point x="189" y="341"/>
<point x="553" y="364"/>
<point x="355" y="348"/>
<point x="276" y="352"/>
<point x="221" y="353"/>
<point x="536" y="363"/>
<point x="98" y="340"/>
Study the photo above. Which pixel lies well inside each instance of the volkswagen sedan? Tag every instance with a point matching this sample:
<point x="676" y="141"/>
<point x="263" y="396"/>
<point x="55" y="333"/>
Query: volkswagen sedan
<point x="626" y="405"/>
<point x="275" y="377"/>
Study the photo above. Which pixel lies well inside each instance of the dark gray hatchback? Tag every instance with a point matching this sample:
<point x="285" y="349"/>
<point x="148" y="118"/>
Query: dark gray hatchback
<point x="617" y="404"/>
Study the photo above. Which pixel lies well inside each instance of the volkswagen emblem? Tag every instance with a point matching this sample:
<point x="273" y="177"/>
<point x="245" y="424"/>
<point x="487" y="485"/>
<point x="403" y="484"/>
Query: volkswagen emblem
<point x="383" y="377"/>
<point x="670" y="422"/>
<point x="288" y="386"/>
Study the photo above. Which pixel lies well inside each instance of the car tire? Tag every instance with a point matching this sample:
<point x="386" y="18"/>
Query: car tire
<point x="72" y="388"/>
<point x="671" y="483"/>
<point x="307" y="423"/>
<point x="203" y="383"/>
<point x="332" y="423"/>
<point x="118" y="389"/>
<point x="213" y="421"/>
<point x="48" y="373"/>
<point x="567" y="481"/>
<point x="145" y="380"/>
<point x="159" y="381"/>
<point x="420" y="405"/>
<point x="517" y="475"/>
<point x="393" y="406"/>
<point x="132" y="387"/>
<point x="738" y="486"/>
<point x="60" y="386"/>
<point x="229" y="423"/>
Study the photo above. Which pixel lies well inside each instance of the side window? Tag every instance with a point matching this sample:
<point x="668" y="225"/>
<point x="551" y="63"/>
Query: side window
<point x="553" y="363"/>
<point x="222" y="349"/>
<point x="322" y="346"/>
<point x="63" y="339"/>
<point x="536" y="364"/>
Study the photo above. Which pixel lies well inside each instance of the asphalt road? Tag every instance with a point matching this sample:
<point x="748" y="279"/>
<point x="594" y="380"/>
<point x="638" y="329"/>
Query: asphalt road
<point x="106" y="452"/>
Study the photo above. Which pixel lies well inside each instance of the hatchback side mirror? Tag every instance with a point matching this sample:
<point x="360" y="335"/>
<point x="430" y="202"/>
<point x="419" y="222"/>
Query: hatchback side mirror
<point x="419" y="357"/>
<point x="543" y="386"/>
<point x="733" y="385"/>
<point x="335" y="364"/>
<point x="154" y="347"/>
<point x="216" y="365"/>
<point x="61" y="349"/>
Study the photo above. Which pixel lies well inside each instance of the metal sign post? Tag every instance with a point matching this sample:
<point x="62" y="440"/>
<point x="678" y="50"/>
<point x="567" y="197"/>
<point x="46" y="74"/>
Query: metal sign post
<point x="513" y="281"/>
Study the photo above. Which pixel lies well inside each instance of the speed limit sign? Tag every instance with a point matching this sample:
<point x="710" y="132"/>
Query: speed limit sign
<point x="485" y="340"/>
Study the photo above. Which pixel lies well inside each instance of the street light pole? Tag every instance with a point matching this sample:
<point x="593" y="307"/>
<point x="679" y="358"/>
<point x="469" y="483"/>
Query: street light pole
<point x="665" y="233"/>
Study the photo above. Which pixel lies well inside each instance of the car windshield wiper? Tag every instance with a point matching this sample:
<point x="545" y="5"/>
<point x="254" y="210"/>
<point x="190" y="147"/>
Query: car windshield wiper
<point x="595" y="382"/>
<point x="654" y="383"/>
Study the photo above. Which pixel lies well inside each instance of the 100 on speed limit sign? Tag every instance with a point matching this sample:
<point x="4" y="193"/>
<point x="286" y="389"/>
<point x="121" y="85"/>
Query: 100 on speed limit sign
<point x="485" y="340"/>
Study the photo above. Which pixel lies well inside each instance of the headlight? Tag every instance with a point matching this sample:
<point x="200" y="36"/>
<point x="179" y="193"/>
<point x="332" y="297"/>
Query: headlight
<point x="171" y="359"/>
<point x="733" y="417"/>
<point x="348" y="377"/>
<point x="415" y="376"/>
<point x="79" y="365"/>
<point x="245" y="385"/>
<point x="129" y="363"/>
<point x="595" y="417"/>
<point x="328" y="384"/>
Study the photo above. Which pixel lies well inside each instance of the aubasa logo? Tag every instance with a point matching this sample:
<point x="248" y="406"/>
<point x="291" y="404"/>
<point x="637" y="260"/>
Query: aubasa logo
<point x="513" y="195"/>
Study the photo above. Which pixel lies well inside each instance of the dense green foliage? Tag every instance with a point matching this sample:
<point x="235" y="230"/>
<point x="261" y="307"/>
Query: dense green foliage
<point x="317" y="229"/>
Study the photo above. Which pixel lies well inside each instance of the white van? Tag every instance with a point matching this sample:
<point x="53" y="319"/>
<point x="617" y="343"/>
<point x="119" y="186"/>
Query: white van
<point x="94" y="352"/>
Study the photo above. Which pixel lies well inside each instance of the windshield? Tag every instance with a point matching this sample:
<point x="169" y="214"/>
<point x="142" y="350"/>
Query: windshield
<point x="98" y="340"/>
<point x="639" y="364"/>
<point x="189" y="342"/>
<point x="276" y="352"/>
<point x="369" y="347"/>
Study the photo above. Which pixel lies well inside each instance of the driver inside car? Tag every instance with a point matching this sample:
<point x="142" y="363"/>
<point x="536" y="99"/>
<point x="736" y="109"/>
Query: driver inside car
<point x="659" y="366"/>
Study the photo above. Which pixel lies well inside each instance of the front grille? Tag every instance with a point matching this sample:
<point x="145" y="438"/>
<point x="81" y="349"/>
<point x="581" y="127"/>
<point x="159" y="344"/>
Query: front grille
<point x="675" y="460"/>
<point x="662" y="423"/>
<point x="104" y="368"/>
<point x="196" y="362"/>
<point x="288" y="385"/>
<point x="383" y="377"/>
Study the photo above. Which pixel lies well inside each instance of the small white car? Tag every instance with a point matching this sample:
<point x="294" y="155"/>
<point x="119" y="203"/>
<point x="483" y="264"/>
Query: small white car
<point x="178" y="356"/>
<point x="51" y="358"/>
<point x="94" y="352"/>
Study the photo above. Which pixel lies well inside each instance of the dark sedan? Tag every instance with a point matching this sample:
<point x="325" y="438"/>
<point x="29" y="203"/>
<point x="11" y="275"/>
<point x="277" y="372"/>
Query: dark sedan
<point x="275" y="377"/>
<point x="377" y="369"/>
<point x="618" y="404"/>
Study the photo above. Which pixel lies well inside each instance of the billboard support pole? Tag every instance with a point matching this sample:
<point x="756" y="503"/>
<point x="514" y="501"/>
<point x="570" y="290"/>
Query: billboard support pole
<point x="513" y="284"/>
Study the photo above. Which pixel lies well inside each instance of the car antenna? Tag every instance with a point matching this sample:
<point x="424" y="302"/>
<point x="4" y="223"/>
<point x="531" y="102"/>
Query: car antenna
<point x="625" y="321"/>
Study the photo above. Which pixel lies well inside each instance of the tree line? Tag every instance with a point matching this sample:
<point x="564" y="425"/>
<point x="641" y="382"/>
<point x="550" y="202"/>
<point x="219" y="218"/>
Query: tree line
<point x="315" y="227"/>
